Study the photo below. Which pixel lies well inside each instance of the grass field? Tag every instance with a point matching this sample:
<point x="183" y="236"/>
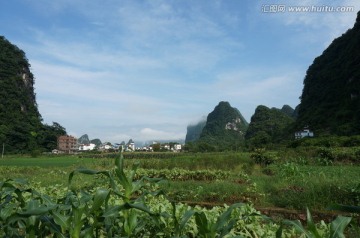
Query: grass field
<point x="45" y="161"/>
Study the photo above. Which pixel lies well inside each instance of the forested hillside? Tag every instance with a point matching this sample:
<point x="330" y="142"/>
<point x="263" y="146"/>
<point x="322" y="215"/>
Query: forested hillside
<point x="224" y="129"/>
<point x="330" y="101"/>
<point x="21" y="128"/>
<point x="269" y="126"/>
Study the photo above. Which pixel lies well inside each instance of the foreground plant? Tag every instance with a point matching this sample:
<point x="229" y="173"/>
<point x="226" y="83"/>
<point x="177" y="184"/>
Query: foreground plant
<point x="337" y="227"/>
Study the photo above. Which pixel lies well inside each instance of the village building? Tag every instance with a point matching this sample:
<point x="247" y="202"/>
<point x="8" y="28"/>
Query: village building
<point x="67" y="144"/>
<point x="304" y="133"/>
<point x="85" y="147"/>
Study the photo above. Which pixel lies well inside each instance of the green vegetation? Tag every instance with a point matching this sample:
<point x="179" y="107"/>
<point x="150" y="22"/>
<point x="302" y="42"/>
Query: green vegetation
<point x="21" y="130"/>
<point x="128" y="204"/>
<point x="224" y="124"/>
<point x="290" y="178"/>
<point x="330" y="101"/>
<point x="268" y="126"/>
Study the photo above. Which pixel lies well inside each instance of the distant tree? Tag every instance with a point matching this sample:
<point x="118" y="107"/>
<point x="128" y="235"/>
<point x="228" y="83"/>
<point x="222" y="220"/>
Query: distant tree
<point x="156" y="147"/>
<point x="47" y="136"/>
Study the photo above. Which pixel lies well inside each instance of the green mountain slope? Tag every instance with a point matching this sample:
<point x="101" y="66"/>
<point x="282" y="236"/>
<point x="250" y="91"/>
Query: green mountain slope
<point x="330" y="101"/>
<point x="225" y="128"/>
<point x="288" y="111"/>
<point x="268" y="126"/>
<point x="21" y="128"/>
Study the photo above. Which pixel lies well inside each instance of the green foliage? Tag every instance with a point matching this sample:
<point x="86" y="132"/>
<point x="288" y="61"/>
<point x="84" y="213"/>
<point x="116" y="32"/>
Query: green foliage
<point x="261" y="157"/>
<point x="268" y="126"/>
<point x="337" y="227"/>
<point x="47" y="137"/>
<point x="330" y="101"/>
<point x="224" y="130"/>
<point x="20" y="121"/>
<point x="338" y="154"/>
<point x="19" y="115"/>
<point x="183" y="175"/>
<point x="288" y="111"/>
<point x="125" y="207"/>
<point x="327" y="141"/>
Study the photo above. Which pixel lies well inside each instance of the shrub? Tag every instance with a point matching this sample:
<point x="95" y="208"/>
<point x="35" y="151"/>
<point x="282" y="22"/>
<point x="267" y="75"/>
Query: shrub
<point x="263" y="158"/>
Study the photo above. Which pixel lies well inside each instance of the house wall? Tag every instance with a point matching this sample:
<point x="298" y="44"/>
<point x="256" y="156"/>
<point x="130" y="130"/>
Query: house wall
<point x="67" y="143"/>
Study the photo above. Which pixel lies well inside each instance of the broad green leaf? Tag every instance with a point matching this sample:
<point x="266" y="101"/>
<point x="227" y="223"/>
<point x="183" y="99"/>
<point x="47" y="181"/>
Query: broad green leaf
<point x="139" y="206"/>
<point x="99" y="198"/>
<point x="185" y="218"/>
<point x="113" y="211"/>
<point x="338" y="226"/>
<point x="61" y="220"/>
<point x="33" y="207"/>
<point x="224" y="223"/>
<point x="6" y="211"/>
<point x="345" y="208"/>
<point x="86" y="171"/>
<point x="311" y="225"/>
<point x="279" y="231"/>
<point x="298" y="227"/>
<point x="130" y="222"/>
<point x="202" y="224"/>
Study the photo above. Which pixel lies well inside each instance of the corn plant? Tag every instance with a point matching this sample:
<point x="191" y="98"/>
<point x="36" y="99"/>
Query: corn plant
<point x="337" y="227"/>
<point x="129" y="192"/>
<point x="223" y="225"/>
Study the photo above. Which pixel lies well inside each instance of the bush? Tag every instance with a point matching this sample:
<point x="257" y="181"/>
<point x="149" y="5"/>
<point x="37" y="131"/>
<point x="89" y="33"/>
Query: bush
<point x="35" y="153"/>
<point x="263" y="158"/>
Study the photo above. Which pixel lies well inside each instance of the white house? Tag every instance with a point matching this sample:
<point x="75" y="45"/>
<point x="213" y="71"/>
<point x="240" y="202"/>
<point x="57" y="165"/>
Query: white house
<point x="84" y="147"/>
<point x="304" y="133"/>
<point x="105" y="146"/>
<point x="130" y="146"/>
<point x="177" y="147"/>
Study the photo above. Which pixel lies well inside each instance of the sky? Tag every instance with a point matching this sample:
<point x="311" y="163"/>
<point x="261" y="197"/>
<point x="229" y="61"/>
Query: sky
<point x="145" y="70"/>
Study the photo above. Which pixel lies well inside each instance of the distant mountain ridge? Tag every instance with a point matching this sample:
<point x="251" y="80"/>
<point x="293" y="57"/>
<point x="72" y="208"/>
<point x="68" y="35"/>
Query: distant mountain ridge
<point x="84" y="139"/>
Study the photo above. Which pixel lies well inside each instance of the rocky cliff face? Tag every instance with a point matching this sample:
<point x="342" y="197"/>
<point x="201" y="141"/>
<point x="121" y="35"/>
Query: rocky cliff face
<point x="84" y="139"/>
<point x="330" y="101"/>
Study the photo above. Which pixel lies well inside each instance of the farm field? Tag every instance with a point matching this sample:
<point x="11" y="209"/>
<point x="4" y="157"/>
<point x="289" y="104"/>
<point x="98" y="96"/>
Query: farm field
<point x="212" y="178"/>
<point x="206" y="179"/>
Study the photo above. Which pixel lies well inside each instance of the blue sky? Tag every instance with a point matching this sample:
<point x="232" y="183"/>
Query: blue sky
<point x="121" y="69"/>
